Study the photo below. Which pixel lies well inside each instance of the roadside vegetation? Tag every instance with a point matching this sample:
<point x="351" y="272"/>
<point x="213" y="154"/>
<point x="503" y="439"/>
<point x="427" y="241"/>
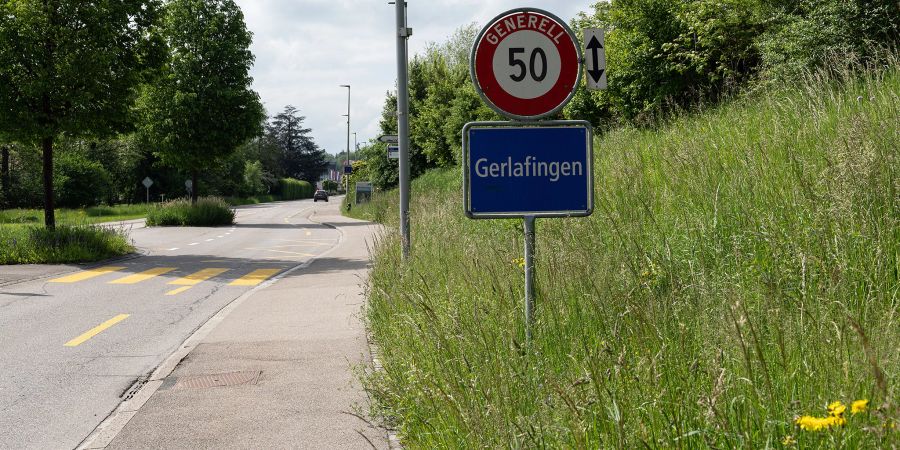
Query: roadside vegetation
<point x="741" y="274"/>
<point x="206" y="212"/>
<point x="157" y="89"/>
<point x="32" y="244"/>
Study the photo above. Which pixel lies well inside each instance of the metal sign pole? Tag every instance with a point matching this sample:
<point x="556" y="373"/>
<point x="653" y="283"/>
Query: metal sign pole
<point x="403" y="34"/>
<point x="529" y="277"/>
<point x="148" y="195"/>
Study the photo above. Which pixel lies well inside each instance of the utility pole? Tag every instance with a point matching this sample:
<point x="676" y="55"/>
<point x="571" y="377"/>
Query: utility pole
<point x="403" y="34"/>
<point x="346" y="179"/>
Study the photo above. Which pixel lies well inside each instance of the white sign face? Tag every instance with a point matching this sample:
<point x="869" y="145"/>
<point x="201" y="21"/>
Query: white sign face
<point x="393" y="152"/>
<point x="389" y="138"/>
<point x="147" y="182"/>
<point x="527" y="64"/>
<point x="595" y="58"/>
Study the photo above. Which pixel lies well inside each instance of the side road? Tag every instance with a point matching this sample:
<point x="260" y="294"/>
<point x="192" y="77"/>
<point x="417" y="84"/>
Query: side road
<point x="274" y="370"/>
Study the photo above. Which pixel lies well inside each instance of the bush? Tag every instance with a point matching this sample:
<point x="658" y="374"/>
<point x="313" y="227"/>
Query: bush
<point x="292" y="189"/>
<point x="209" y="211"/>
<point x="79" y="181"/>
<point x="65" y="244"/>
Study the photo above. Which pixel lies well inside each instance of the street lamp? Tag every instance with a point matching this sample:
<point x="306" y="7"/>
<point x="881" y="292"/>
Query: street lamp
<point x="347" y="180"/>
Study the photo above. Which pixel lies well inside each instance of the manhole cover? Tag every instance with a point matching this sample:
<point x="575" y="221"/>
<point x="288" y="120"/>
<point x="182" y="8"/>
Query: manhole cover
<point x="245" y="378"/>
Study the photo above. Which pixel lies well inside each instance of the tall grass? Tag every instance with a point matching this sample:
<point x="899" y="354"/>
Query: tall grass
<point x="742" y="268"/>
<point x="207" y="212"/>
<point x="29" y="244"/>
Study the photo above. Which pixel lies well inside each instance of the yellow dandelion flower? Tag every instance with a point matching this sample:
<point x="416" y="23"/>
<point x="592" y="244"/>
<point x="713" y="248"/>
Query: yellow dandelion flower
<point x="810" y="423"/>
<point x="859" y="406"/>
<point x="837" y="408"/>
<point x="788" y="441"/>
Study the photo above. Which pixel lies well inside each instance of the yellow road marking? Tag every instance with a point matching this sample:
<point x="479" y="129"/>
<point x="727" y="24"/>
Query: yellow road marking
<point x="197" y="277"/>
<point x="87" y="274"/>
<point x="254" y="278"/>
<point x="96" y="330"/>
<point x="143" y="276"/>
<point x="279" y="251"/>
<point x="178" y="291"/>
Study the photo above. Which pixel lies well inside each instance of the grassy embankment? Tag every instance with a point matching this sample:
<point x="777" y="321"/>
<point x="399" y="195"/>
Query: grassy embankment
<point x="740" y="270"/>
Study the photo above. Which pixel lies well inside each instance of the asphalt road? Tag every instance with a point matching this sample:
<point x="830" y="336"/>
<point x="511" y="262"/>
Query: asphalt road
<point x="73" y="345"/>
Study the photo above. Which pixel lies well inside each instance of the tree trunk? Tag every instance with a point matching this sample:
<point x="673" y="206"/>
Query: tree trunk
<point x="49" y="215"/>
<point x="4" y="175"/>
<point x="194" y="187"/>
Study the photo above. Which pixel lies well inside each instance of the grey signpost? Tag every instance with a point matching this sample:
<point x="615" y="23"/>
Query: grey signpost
<point x="147" y="183"/>
<point x="526" y="64"/>
<point x="403" y="34"/>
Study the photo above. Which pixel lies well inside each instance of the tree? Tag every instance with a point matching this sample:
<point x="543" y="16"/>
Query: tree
<point x="71" y="67"/>
<point x="301" y="157"/>
<point x="202" y="108"/>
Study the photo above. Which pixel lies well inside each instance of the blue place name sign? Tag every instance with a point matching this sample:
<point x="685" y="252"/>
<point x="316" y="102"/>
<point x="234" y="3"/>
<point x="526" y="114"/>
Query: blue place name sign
<point x="516" y="170"/>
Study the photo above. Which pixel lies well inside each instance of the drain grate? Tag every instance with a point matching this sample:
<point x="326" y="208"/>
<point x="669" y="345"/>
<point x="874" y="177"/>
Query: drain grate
<point x="245" y="378"/>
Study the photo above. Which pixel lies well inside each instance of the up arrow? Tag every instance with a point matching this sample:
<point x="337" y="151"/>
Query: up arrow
<point x="596" y="64"/>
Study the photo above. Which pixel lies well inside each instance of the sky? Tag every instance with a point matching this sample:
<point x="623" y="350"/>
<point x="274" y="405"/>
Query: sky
<point x="306" y="49"/>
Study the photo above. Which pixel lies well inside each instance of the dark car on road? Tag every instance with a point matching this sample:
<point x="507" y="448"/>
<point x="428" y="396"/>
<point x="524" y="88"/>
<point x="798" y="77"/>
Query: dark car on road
<point x="320" y="195"/>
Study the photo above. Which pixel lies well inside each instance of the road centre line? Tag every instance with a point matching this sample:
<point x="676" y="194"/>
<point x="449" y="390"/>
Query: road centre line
<point x="173" y="249"/>
<point x="87" y="274"/>
<point x="194" y="243"/>
<point x="96" y="330"/>
<point x="255" y="277"/>
<point x="143" y="276"/>
<point x="210" y="240"/>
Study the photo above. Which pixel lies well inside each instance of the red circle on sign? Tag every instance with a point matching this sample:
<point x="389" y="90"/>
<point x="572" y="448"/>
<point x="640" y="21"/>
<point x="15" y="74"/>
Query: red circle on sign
<point x="497" y="93"/>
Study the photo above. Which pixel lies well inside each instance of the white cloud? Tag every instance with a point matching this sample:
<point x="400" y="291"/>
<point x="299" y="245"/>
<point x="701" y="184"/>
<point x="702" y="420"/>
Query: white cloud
<point x="305" y="49"/>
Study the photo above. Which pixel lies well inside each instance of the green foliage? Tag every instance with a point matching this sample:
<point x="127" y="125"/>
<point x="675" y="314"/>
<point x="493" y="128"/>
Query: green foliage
<point x="292" y="189"/>
<point x="202" y="107"/>
<point x="814" y="33"/>
<point x="666" y="56"/>
<point x="741" y="269"/>
<point x="330" y="185"/>
<point x="79" y="181"/>
<point x="207" y="212"/>
<point x="71" y="68"/>
<point x="300" y="157"/>
<point x="65" y="244"/>
<point x="253" y="182"/>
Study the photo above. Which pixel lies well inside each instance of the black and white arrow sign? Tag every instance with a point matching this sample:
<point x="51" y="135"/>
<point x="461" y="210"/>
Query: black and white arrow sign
<point x="595" y="58"/>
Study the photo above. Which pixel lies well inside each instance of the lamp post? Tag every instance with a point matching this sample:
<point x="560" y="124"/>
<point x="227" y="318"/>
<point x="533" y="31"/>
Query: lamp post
<point x="347" y="180"/>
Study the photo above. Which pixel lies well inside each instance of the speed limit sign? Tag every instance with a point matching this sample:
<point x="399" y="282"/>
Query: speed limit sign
<point x="526" y="63"/>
